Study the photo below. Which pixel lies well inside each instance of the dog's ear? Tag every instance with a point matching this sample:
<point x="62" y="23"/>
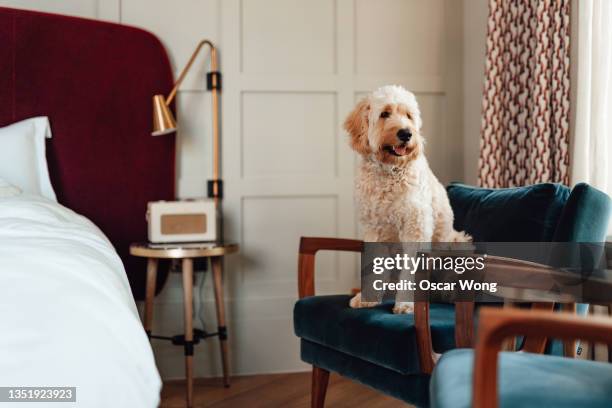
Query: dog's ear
<point x="356" y="124"/>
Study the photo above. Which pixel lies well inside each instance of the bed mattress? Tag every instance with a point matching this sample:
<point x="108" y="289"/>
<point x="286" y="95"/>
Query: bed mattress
<point x="67" y="315"/>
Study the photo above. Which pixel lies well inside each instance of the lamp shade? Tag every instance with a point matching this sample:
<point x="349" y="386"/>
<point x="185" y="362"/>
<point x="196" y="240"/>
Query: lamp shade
<point x="163" y="120"/>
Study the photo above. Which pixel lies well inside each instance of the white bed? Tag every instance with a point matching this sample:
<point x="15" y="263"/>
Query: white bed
<point x="67" y="316"/>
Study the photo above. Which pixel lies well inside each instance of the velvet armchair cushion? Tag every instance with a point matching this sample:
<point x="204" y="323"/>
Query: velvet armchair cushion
<point x="373" y="334"/>
<point x="525" y="380"/>
<point x="522" y="214"/>
<point x="413" y="388"/>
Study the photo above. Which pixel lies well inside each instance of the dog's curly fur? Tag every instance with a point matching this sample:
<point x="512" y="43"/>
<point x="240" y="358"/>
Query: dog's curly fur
<point x="398" y="196"/>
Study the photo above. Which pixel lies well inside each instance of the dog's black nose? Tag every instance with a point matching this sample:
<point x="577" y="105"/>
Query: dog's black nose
<point x="404" y="135"/>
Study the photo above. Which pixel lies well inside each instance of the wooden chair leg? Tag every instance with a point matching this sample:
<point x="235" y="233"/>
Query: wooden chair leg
<point x="320" y="379"/>
<point x="610" y="345"/>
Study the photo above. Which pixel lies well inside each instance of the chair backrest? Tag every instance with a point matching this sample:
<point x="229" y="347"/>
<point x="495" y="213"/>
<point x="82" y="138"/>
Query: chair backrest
<point x="585" y="216"/>
<point x="538" y="213"/>
<point x="541" y="212"/>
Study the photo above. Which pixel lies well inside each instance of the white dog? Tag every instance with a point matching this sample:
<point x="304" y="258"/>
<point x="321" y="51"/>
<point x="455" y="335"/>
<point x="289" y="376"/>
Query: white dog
<point x="399" y="197"/>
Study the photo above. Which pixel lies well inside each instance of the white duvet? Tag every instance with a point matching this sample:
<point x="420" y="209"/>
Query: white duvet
<point x="67" y="316"/>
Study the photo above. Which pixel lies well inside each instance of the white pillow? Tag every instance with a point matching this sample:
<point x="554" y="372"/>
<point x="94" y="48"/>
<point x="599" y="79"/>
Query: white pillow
<point x="8" y="190"/>
<point x="23" y="162"/>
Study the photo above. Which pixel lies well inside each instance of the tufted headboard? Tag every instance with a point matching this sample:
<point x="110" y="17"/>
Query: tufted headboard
<point x="94" y="80"/>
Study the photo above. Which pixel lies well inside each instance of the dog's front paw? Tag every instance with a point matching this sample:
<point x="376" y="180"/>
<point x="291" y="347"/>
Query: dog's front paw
<point x="403" y="307"/>
<point x="356" y="302"/>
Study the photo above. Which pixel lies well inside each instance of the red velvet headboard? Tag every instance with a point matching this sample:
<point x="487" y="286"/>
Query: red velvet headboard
<point x="94" y="81"/>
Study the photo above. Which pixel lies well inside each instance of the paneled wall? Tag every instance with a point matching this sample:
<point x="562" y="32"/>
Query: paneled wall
<point x="292" y="71"/>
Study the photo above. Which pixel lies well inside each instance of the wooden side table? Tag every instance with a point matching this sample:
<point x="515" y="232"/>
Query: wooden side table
<point x="187" y="252"/>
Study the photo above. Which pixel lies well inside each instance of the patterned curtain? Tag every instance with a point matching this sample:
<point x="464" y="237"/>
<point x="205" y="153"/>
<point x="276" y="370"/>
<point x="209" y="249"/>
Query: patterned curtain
<point x="525" y="129"/>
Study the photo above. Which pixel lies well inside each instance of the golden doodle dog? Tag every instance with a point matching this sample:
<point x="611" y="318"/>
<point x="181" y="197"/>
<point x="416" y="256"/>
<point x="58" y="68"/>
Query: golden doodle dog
<point x="399" y="198"/>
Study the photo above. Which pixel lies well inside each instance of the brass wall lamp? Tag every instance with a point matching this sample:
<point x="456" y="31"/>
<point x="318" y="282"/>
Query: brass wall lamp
<point x="164" y="122"/>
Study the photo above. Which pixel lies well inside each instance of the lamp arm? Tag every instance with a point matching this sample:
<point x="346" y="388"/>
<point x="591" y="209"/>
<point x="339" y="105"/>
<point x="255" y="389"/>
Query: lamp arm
<point x="213" y="67"/>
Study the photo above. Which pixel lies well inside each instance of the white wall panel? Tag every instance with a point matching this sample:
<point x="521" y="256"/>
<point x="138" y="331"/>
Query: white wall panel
<point x="399" y="36"/>
<point x="194" y="143"/>
<point x="272" y="227"/>
<point x="180" y="25"/>
<point x="437" y="141"/>
<point x="288" y="36"/>
<point x="286" y="134"/>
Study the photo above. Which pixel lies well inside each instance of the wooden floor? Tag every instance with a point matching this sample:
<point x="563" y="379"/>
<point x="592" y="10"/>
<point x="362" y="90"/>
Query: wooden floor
<point x="274" y="390"/>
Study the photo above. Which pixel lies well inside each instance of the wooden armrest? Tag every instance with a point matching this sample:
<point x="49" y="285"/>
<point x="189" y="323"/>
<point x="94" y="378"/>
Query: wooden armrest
<point x="306" y="259"/>
<point x="427" y="357"/>
<point x="495" y="325"/>
<point x="310" y="245"/>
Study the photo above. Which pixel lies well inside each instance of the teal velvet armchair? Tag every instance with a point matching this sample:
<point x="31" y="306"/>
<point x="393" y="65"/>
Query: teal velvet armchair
<point x="488" y="378"/>
<point x="395" y="354"/>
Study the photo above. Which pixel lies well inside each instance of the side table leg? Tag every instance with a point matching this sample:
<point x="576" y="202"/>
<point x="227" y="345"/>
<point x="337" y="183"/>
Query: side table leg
<point x="188" y="300"/>
<point x="150" y="294"/>
<point x="217" y="269"/>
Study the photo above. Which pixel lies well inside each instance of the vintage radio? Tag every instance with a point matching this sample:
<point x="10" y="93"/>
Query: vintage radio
<point x="182" y="221"/>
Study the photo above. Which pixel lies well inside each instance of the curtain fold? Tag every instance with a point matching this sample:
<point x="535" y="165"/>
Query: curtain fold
<point x="526" y="100"/>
